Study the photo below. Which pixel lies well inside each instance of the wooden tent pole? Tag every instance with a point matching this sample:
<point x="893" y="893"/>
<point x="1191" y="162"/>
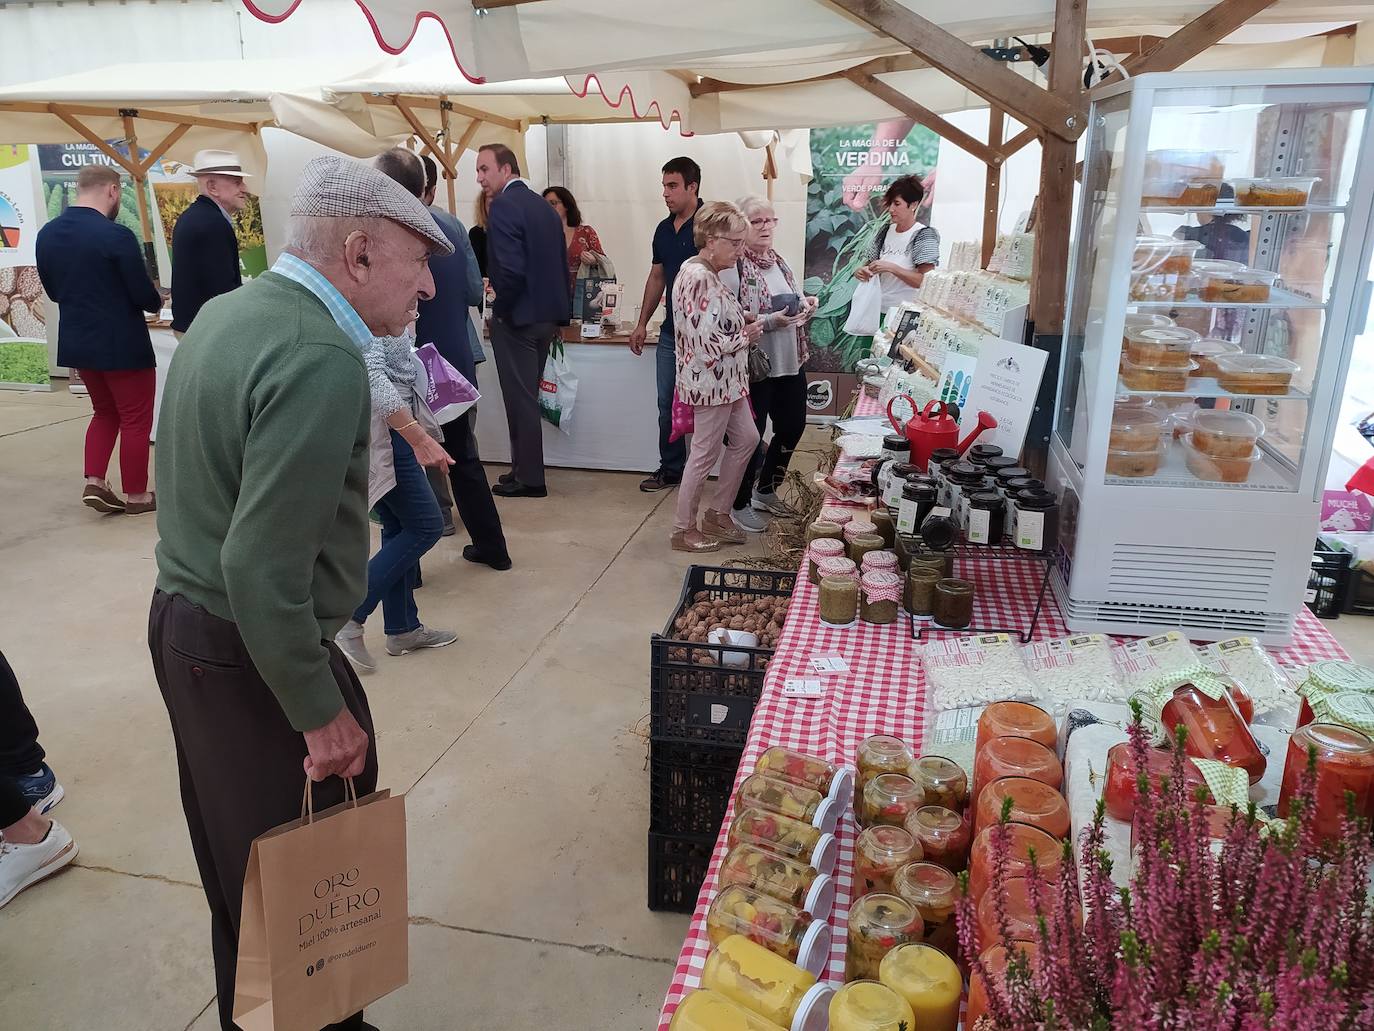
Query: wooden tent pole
<point x="992" y="185"/>
<point x="140" y="189"/>
<point x="448" y="153"/>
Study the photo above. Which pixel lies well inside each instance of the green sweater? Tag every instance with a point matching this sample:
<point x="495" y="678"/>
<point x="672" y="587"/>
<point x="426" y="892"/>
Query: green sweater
<point x="262" y="456"/>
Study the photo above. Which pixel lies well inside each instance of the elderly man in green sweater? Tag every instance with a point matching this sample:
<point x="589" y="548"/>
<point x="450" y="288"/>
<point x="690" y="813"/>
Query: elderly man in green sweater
<point x="262" y="460"/>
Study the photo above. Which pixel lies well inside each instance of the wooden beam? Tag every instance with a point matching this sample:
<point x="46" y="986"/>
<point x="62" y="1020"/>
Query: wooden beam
<point x="56" y="109"/>
<point x="432" y="104"/>
<point x="969" y="66"/>
<point x="992" y="185"/>
<point x="87" y="111"/>
<point x="449" y="162"/>
<point x="465" y="140"/>
<point x="1193" y="38"/>
<point x="168" y="142"/>
<point x="877" y="66"/>
<point x="140" y="184"/>
<point x="1050" y="268"/>
<point x="1017" y="142"/>
<point x="419" y="129"/>
<point x="925" y="116"/>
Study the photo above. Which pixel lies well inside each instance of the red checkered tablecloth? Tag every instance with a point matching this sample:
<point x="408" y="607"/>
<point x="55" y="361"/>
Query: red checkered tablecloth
<point x="882" y="693"/>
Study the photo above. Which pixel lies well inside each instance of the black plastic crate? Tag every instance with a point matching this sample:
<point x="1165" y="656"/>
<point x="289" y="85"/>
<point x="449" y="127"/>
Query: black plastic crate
<point x="1359" y="595"/>
<point x="677" y="868"/>
<point x="689" y="786"/>
<point x="1328" y="582"/>
<point x="694" y="697"/>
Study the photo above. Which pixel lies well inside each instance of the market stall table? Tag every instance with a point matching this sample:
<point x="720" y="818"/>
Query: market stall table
<point x="883" y="692"/>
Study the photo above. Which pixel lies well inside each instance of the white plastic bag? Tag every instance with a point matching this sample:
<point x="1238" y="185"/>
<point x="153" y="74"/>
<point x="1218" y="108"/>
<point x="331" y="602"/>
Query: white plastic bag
<point x="557" y="389"/>
<point x="865" y="309"/>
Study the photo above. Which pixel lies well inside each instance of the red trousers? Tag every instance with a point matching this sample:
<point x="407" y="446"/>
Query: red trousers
<point x="123" y="403"/>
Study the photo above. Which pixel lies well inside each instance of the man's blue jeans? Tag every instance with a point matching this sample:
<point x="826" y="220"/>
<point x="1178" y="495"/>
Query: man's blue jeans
<point x="672" y="455"/>
<point x="411" y="525"/>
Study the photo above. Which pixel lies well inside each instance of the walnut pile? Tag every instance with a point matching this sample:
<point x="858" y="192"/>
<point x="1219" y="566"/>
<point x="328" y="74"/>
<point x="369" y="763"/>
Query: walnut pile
<point x="21" y="300"/>
<point x="763" y="616"/>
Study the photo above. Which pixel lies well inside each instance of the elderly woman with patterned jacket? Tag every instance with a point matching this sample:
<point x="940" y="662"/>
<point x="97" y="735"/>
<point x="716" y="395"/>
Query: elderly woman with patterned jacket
<point x="712" y="337"/>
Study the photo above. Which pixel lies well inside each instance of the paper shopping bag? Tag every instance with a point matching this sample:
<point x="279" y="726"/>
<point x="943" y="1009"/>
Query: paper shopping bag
<point x="322" y="932"/>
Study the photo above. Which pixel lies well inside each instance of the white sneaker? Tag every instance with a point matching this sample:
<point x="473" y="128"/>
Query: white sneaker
<point x="749" y="520"/>
<point x="350" y="642"/>
<point x="770" y="502"/>
<point x="23" y="865"/>
<point x="421" y="637"/>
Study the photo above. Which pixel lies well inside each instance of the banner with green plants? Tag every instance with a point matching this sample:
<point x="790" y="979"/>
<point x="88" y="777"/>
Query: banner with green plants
<point x="23" y="345"/>
<point x="853" y="167"/>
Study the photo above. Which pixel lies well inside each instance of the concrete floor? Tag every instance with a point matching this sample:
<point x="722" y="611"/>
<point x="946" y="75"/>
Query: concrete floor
<point x="528" y="797"/>
<point x="527" y="786"/>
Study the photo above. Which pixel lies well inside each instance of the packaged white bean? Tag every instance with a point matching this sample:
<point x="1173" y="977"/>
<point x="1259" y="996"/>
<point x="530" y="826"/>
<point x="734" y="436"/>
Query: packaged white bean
<point x="1142" y="660"/>
<point x="1072" y="669"/>
<point x="1245" y="660"/>
<point x="972" y="670"/>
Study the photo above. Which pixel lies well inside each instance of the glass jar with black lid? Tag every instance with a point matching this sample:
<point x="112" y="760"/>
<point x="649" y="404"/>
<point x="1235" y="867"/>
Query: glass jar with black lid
<point x="980" y="453"/>
<point x="997" y="463"/>
<point x="1037" y="520"/>
<point x="919" y="496"/>
<point x="962" y="478"/>
<point x="940" y="456"/>
<point x="892" y="478"/>
<point x="896" y="446"/>
<point x="985" y="518"/>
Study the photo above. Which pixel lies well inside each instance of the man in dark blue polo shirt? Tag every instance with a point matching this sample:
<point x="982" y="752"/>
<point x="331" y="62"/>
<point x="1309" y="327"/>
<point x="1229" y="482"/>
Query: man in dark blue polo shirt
<point x="673" y="244"/>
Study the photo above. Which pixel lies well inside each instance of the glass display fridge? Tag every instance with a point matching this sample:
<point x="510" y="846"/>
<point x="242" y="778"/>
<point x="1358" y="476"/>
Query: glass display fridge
<point x="1217" y="282"/>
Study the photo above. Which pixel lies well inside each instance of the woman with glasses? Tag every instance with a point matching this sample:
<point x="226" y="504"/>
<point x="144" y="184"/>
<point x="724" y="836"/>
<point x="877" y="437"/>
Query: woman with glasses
<point x="765" y="286"/>
<point x="584" y="246"/>
<point x="712" y="338"/>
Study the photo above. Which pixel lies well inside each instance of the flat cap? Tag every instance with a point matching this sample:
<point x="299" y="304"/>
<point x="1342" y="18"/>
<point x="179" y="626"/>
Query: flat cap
<point x="336" y="187"/>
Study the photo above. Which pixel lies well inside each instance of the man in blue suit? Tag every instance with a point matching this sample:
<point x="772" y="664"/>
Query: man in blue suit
<point x="527" y="262"/>
<point x="205" y="248"/>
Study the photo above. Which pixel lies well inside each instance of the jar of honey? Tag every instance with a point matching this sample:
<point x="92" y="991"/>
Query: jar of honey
<point x="879" y="853"/>
<point x="934" y="891"/>
<point x="943" y="835"/>
<point x="890" y="798"/>
<point x="942" y="780"/>
<point x="869" y="1006"/>
<point x="789" y="880"/>
<point x="1016" y="719"/>
<point x="765" y="983"/>
<point x="929" y="981"/>
<point x="887" y="526"/>
<point x="878" y="923"/>
<point x="1345" y="765"/>
<point x="1023" y="841"/>
<point x="785" y="836"/>
<point x="1215" y="729"/>
<point x="808" y="770"/>
<point x="880" y="753"/>
<point x="781" y="929"/>
<point x="781" y="796"/>
<point x="1015" y="757"/>
<point x="1031" y="802"/>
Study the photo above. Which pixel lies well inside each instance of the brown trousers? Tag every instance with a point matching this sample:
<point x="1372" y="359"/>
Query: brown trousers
<point x="240" y="761"/>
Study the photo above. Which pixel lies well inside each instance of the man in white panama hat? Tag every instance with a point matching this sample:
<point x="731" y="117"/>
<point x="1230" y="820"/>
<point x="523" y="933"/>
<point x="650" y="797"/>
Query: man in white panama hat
<point x="262" y="457"/>
<point x="205" y="249"/>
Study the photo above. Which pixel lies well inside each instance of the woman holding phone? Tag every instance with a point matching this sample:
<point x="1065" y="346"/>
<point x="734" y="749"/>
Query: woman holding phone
<point x="766" y="288"/>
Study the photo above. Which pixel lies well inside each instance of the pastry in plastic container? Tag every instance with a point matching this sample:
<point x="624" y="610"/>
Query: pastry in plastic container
<point x="1255" y="373"/>
<point x="1223" y="470"/>
<point x="1182" y="178"/>
<point x="1164" y="378"/>
<point x="1225" y="434"/>
<point x="1136" y="426"/>
<point x="1207" y="350"/>
<point x="1166" y="346"/>
<point x="1289" y="191"/>
<point x="1144" y="462"/>
<point x="1243" y="286"/>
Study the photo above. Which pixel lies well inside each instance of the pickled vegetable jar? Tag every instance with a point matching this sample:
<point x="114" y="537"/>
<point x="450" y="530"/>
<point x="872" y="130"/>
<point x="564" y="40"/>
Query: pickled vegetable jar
<point x="890" y="798"/>
<point x="1025" y="839"/>
<point x="878" y="923"/>
<point x="705" y="1010"/>
<point x="785" y="836"/>
<point x="1016" y="719"/>
<point x="879" y="853"/>
<point x="1215" y="729"/>
<point x="1015" y="757"/>
<point x="934" y="891"/>
<point x="781" y="929"/>
<point x="808" y="770"/>
<point x="767" y="984"/>
<point x="943" y="781"/>
<point x="1031" y="802"/>
<point x="929" y="982"/>
<point x="1122" y="780"/>
<point x="880" y="753"/>
<point x="869" y="1006"/>
<point x="995" y="963"/>
<point x="788" y="880"/>
<point x="1330" y="676"/>
<point x="780" y="796"/>
<point x="943" y="835"/>
<point x="1022" y="915"/>
<point x="1345" y="763"/>
<point x="839" y="602"/>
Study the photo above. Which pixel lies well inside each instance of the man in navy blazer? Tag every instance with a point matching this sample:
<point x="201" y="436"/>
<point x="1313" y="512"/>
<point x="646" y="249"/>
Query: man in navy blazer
<point x="93" y="268"/>
<point x="205" y="250"/>
<point x="527" y="262"/>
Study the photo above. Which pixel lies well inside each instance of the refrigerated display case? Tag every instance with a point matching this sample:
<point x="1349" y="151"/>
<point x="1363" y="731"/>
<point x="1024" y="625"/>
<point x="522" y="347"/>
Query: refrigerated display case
<point x="1217" y="282"/>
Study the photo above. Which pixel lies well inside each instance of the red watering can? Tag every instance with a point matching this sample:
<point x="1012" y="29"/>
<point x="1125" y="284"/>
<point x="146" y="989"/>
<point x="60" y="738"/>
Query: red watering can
<point x="935" y="426"/>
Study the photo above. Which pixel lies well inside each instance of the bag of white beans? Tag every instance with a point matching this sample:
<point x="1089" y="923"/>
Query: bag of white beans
<point x="1073" y="669"/>
<point x="969" y="670"/>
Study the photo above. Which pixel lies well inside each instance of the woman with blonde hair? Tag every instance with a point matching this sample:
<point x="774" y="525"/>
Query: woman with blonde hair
<point x="712" y="339"/>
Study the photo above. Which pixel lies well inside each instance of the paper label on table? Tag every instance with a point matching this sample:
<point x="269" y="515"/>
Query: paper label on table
<point x="906" y="516"/>
<point x="1030" y="530"/>
<point x="953" y="735"/>
<point x="799" y="687"/>
<point x="829" y="664"/>
<point x="1006" y="380"/>
<point x="979" y="525"/>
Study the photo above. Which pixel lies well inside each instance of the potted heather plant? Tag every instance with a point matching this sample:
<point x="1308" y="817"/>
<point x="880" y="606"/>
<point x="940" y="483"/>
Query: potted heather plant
<point x="1268" y="928"/>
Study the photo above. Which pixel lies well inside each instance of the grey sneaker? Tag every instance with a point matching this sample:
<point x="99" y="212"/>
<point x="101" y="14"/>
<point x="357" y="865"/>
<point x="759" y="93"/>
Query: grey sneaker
<point x="350" y="642"/>
<point x="770" y="502"/>
<point x="749" y="520"/>
<point x="421" y="637"/>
